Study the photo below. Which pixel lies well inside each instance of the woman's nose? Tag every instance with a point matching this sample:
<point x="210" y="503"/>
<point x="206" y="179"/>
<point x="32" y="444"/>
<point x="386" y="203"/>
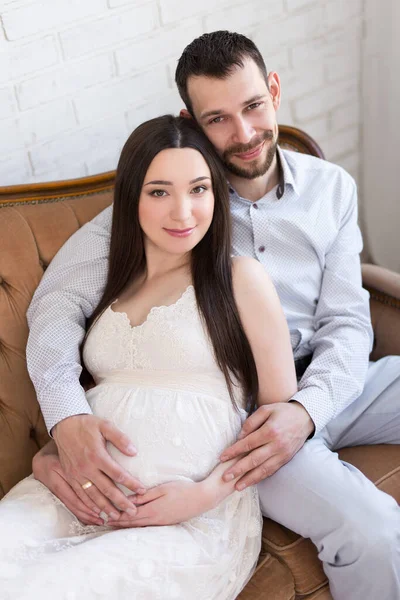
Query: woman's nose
<point x="182" y="209"/>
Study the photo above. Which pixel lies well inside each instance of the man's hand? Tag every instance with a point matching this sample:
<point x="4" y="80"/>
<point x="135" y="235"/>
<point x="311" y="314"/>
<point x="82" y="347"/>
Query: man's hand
<point x="270" y="437"/>
<point x="48" y="470"/>
<point x="169" y="504"/>
<point x="81" y="442"/>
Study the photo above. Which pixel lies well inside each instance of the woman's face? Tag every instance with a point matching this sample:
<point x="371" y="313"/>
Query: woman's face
<point x="176" y="203"/>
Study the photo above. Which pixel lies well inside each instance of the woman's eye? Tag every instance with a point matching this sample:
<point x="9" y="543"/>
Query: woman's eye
<point x="158" y="193"/>
<point x="199" y="189"/>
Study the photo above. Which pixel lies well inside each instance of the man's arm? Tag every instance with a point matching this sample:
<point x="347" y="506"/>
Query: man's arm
<point x="341" y="345"/>
<point x="68" y="294"/>
<point x="343" y="334"/>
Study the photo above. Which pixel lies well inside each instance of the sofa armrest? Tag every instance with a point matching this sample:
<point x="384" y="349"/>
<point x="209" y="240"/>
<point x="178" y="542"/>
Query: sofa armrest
<point x="384" y="288"/>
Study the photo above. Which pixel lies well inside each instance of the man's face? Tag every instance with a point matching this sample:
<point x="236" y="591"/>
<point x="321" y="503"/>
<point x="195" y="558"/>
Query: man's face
<point x="238" y="115"/>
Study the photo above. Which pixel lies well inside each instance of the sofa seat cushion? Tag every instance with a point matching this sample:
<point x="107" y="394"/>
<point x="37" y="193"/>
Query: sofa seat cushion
<point x="381" y="464"/>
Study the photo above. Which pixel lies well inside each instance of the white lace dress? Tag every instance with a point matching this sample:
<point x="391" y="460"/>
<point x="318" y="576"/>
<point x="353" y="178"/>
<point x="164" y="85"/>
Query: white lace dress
<point x="160" y="384"/>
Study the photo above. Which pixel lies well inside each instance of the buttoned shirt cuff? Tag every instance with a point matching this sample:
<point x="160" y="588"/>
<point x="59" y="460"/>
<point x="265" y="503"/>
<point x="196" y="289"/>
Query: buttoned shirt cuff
<point x="57" y="405"/>
<point x="316" y="404"/>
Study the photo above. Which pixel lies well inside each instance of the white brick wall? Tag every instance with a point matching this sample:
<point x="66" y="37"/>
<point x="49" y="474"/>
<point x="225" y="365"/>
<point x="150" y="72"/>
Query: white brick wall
<point x="77" y="76"/>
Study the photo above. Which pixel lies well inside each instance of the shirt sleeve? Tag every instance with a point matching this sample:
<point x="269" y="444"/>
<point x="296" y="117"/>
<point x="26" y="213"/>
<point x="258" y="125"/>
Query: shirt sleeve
<point x="69" y="292"/>
<point x="343" y="334"/>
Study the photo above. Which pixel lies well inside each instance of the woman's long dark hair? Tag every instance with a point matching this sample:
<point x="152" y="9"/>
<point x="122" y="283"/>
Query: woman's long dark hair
<point x="211" y="263"/>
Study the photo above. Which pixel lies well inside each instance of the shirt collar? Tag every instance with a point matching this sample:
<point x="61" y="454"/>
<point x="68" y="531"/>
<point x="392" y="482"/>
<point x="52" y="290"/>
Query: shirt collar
<point x="286" y="176"/>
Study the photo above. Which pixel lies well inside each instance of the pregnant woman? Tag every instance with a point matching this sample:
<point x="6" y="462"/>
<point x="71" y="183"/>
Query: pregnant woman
<point x="184" y="341"/>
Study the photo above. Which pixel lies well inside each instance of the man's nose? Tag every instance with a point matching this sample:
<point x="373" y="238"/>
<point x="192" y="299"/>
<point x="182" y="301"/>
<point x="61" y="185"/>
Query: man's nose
<point x="243" y="131"/>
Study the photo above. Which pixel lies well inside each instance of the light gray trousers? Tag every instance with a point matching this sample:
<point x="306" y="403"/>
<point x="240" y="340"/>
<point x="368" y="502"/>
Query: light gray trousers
<point x="355" y="526"/>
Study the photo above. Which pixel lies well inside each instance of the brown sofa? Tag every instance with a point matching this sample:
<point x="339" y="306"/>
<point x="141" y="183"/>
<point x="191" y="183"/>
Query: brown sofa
<point x="35" y="221"/>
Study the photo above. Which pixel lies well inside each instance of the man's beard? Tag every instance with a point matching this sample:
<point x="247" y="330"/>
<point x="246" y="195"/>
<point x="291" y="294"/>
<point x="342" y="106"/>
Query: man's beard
<point x="254" y="170"/>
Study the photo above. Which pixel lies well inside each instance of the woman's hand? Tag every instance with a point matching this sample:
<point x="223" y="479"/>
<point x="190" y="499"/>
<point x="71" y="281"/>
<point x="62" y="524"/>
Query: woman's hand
<point x="169" y="504"/>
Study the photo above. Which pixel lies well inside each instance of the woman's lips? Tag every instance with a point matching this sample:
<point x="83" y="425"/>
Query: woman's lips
<point x="180" y="232"/>
<point x="255" y="153"/>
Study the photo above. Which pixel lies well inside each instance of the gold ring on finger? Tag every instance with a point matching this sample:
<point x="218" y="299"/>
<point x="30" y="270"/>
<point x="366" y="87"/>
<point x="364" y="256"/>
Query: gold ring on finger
<point x="87" y="485"/>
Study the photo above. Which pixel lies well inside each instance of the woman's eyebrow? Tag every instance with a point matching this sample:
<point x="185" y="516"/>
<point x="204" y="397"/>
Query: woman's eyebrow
<point x="159" y="182"/>
<point x="163" y="182"/>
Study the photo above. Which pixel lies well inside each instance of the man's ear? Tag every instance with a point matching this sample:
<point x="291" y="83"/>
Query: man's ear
<point x="274" y="85"/>
<point x="185" y="114"/>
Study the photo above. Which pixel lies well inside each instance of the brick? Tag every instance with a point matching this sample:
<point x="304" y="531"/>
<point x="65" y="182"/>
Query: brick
<point x="110" y="30"/>
<point x="35" y="17"/>
<point x="285" y="114"/>
<point x="295" y="85"/>
<point x="20" y="59"/>
<point x="7" y="103"/>
<point x="345" y="116"/>
<point x="320" y="101"/>
<point x="117" y="3"/>
<point x="168" y="104"/>
<point x="319" y="130"/>
<point x="346" y="61"/>
<point x="277" y="61"/>
<point x="102" y="163"/>
<point x="10" y="136"/>
<point x="15" y="169"/>
<point x="290" y="30"/>
<point x="293" y="5"/>
<point x="351" y="163"/>
<point x="76" y="147"/>
<point x="47" y="121"/>
<point x="67" y="79"/>
<point x="342" y="143"/>
<point x="156" y="48"/>
<point x="239" y="18"/>
<point x="338" y="12"/>
<point x="176" y="10"/>
<point x="328" y="46"/>
<point x="65" y="170"/>
<point x="99" y="102"/>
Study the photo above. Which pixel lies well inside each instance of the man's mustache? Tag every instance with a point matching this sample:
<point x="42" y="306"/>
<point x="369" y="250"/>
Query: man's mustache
<point x="244" y="148"/>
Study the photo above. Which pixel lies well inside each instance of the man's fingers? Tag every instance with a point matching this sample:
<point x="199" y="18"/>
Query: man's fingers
<point x="247" y="444"/>
<point x="148" y="496"/>
<point x="64" y="491"/>
<point x="116" y="473"/>
<point x="117" y="438"/>
<point x="96" y="501"/>
<point x="259" y="474"/>
<point x="248" y="463"/>
<point x="109" y="493"/>
<point x="256" y="420"/>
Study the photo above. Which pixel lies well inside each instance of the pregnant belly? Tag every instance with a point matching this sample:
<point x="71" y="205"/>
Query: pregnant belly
<point x="178" y="435"/>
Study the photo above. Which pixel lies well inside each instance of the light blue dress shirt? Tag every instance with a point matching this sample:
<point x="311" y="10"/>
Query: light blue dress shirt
<point x="304" y="232"/>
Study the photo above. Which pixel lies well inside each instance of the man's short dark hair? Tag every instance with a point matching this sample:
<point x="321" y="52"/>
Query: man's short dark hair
<point x="215" y="54"/>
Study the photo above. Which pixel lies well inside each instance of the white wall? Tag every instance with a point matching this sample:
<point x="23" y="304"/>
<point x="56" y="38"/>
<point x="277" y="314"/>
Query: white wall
<point x="381" y="132"/>
<point x="76" y="76"/>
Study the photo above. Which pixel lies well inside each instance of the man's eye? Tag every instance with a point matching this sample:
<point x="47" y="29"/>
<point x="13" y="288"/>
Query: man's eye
<point x="158" y="193"/>
<point x="200" y="189"/>
<point x="254" y="105"/>
<point x="216" y="120"/>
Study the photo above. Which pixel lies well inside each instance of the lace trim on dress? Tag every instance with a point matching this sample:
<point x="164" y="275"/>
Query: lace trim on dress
<point x="155" y="309"/>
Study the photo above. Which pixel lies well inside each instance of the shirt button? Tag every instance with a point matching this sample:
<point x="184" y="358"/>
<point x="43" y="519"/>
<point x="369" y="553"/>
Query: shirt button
<point x="255" y="205"/>
<point x="261" y="249"/>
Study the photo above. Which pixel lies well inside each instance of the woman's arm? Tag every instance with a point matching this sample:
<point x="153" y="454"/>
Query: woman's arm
<point x="266" y="329"/>
<point x="179" y="501"/>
